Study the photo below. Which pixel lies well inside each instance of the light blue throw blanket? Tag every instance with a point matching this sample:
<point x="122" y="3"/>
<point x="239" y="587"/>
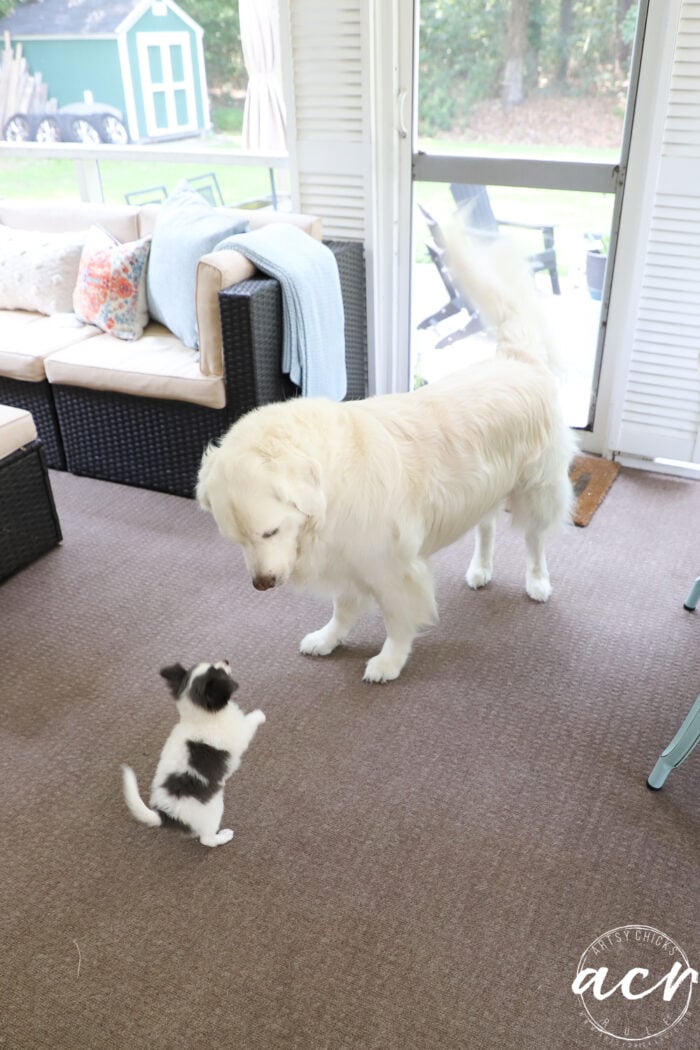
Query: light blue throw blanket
<point x="313" y="353"/>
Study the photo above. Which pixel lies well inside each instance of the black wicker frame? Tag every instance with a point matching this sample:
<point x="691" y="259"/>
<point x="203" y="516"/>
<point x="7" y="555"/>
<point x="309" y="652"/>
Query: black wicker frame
<point x="158" y="444"/>
<point x="29" y="525"/>
<point x="350" y="258"/>
<point x="37" y="399"/>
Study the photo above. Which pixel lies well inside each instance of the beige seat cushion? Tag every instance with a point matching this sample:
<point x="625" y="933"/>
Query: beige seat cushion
<point x="156" y="365"/>
<point x="27" y="339"/>
<point x="16" y="429"/>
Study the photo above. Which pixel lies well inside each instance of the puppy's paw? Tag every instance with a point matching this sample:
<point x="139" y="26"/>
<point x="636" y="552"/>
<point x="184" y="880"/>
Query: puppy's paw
<point x="381" y="669"/>
<point x="538" y="588"/>
<point x="220" y="839"/>
<point x="257" y="716"/>
<point x="478" y="576"/>
<point x="318" y="643"/>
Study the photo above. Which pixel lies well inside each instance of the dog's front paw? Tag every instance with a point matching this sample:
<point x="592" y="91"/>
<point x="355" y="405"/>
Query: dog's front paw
<point x="318" y="643"/>
<point x="257" y="716"/>
<point x="538" y="588"/>
<point x="478" y="576"/>
<point x="381" y="669"/>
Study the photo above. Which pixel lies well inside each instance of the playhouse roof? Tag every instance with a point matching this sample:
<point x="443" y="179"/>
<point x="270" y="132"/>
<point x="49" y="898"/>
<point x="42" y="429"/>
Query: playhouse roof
<point x="57" y="18"/>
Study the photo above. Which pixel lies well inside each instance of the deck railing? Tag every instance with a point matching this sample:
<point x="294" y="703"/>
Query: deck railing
<point x="87" y="158"/>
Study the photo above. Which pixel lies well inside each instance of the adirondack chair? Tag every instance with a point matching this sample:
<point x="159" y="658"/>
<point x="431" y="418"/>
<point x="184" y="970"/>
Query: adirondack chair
<point x="476" y="203"/>
<point x="456" y="302"/>
<point x="207" y="185"/>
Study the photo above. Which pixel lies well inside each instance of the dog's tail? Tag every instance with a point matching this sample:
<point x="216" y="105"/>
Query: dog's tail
<point x="137" y="807"/>
<point x="492" y="274"/>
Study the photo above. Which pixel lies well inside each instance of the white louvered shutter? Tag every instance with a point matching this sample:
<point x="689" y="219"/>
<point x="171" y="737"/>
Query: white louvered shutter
<point x="328" y="77"/>
<point x="661" y="410"/>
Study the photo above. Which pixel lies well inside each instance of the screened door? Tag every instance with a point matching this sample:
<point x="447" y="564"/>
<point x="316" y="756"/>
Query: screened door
<point x="522" y="123"/>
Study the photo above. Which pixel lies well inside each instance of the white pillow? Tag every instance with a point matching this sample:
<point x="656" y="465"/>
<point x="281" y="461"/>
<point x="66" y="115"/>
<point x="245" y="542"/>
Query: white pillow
<point x="38" y="270"/>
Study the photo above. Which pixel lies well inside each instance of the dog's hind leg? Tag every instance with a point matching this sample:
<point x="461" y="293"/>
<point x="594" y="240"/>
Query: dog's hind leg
<point x="346" y="608"/>
<point x="536" y="510"/>
<point x="210" y="834"/>
<point x="480" y="568"/>
<point x="405" y="608"/>
<point x="537" y="582"/>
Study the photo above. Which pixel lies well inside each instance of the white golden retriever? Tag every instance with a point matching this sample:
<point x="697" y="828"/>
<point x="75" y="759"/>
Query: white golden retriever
<point x="351" y="499"/>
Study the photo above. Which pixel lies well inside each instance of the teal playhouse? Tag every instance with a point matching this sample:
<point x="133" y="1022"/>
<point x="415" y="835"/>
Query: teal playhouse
<point x="143" y="57"/>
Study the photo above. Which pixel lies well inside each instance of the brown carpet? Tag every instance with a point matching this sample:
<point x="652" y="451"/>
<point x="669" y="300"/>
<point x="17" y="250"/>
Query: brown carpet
<point x="416" y="866"/>
<point x="591" y="477"/>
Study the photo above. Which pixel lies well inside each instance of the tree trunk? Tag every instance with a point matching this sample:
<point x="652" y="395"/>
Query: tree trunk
<point x="516" y="47"/>
<point x="622" y="50"/>
<point x="563" y="36"/>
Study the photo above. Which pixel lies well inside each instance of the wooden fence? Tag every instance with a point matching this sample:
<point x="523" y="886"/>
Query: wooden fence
<point x="20" y="90"/>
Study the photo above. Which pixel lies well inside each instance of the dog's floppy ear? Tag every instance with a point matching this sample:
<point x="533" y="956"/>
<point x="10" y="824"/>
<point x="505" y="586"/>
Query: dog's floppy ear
<point x="213" y="690"/>
<point x="302" y="486"/>
<point x="175" y="676"/>
<point x="203" y="477"/>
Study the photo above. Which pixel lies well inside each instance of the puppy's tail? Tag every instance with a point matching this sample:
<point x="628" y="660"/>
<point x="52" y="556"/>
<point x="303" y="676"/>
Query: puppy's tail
<point x="494" y="276"/>
<point x="137" y="807"/>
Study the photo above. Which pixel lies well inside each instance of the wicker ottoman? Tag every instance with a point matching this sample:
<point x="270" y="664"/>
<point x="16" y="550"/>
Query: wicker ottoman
<point x="29" y="524"/>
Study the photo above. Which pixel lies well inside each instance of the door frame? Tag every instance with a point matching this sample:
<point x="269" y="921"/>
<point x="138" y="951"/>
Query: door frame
<point x="645" y="161"/>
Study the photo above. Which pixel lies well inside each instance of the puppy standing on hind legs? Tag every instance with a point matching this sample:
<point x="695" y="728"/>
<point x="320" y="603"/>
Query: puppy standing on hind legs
<point x="201" y="753"/>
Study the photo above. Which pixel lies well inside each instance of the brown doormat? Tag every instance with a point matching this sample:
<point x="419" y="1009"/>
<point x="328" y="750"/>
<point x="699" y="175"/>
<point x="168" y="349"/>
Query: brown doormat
<point x="591" y="477"/>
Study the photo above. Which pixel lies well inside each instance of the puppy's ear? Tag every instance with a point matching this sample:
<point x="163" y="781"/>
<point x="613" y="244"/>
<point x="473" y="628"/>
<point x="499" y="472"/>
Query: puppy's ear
<point x="302" y="486"/>
<point x="213" y="690"/>
<point x="175" y="677"/>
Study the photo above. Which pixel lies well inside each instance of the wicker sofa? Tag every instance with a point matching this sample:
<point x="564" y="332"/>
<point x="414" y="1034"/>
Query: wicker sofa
<point x="142" y="413"/>
<point x="29" y="525"/>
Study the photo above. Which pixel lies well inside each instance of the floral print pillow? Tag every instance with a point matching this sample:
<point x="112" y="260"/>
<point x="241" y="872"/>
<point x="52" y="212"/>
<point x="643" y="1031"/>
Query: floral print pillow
<point x="111" y="288"/>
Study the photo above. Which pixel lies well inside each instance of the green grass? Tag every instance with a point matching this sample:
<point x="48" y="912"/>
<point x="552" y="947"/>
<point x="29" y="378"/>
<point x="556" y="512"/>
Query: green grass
<point x="453" y="147"/>
<point x="57" y="178"/>
<point x="237" y="184"/>
<point x="38" y="178"/>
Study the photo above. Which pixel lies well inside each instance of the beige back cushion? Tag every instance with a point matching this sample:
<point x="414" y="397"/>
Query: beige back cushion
<point x="61" y="216"/>
<point x="256" y="218"/>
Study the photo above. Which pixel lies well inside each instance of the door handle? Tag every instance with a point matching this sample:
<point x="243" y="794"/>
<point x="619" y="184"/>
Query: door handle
<point x="402" y="129"/>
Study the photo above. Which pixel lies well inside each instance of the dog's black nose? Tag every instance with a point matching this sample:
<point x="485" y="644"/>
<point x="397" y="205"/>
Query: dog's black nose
<point x="264" y="583"/>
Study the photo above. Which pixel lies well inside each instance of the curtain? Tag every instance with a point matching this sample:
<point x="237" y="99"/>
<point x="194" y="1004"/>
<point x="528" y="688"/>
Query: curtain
<point x="264" y="116"/>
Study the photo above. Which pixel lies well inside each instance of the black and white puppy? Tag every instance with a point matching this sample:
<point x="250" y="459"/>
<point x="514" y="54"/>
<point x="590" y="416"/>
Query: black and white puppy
<point x="201" y="753"/>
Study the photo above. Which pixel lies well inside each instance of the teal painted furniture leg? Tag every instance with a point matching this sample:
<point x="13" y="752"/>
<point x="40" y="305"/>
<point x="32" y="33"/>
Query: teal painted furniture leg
<point x="693" y="597"/>
<point x="680" y="747"/>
